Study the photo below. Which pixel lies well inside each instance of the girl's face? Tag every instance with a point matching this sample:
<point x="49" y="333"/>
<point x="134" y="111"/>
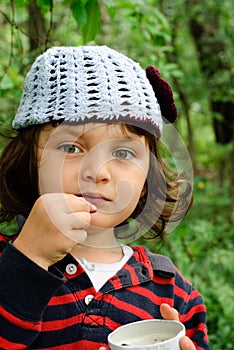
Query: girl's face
<point x="103" y="163"/>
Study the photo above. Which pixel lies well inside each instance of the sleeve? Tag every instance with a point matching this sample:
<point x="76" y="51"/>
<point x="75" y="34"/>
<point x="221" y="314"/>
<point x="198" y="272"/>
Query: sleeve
<point x="192" y="311"/>
<point x="25" y="290"/>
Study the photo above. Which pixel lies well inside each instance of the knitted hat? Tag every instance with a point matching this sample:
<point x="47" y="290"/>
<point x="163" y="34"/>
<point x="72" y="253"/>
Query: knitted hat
<point x="89" y="83"/>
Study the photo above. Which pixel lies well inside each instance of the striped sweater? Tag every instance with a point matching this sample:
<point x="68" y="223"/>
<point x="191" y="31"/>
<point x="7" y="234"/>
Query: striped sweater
<point x="60" y="309"/>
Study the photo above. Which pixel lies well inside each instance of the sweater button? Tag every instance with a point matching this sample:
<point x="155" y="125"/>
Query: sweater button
<point x="71" y="269"/>
<point x="88" y="299"/>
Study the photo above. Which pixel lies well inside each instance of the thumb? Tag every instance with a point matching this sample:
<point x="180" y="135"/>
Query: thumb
<point x="187" y="344"/>
<point x="168" y="312"/>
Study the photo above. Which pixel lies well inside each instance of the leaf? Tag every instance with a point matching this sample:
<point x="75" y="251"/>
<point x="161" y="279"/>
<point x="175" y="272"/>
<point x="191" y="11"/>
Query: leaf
<point x="44" y="6"/>
<point x="79" y="13"/>
<point x="110" y="6"/>
<point x="108" y="3"/>
<point x="93" y="25"/>
<point x="21" y="3"/>
<point x="7" y="83"/>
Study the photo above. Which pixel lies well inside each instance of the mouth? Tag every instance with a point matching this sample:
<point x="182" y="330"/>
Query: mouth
<point x="94" y="198"/>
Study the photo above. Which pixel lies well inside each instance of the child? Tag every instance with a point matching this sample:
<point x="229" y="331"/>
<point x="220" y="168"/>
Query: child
<point x="84" y="171"/>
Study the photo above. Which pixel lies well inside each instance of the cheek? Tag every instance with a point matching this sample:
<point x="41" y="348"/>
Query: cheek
<point x="138" y="179"/>
<point x="130" y="189"/>
<point x="70" y="177"/>
<point x="51" y="175"/>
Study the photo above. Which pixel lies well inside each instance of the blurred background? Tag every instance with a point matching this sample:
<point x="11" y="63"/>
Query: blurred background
<point x="191" y="42"/>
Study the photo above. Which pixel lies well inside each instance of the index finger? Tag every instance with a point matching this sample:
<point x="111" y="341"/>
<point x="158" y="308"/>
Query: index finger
<point x="78" y="203"/>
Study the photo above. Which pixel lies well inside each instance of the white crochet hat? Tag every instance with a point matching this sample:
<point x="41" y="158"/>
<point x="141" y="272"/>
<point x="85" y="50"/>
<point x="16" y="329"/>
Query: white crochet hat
<point x="87" y="83"/>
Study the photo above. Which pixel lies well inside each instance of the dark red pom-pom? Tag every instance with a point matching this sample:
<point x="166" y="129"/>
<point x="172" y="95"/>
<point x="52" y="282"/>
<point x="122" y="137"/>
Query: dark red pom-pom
<point x="163" y="93"/>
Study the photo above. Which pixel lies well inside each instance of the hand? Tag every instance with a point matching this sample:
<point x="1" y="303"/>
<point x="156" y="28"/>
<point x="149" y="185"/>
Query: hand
<point x="169" y="313"/>
<point x="56" y="223"/>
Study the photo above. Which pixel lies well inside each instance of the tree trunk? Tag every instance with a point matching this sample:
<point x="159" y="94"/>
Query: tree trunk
<point x="210" y="52"/>
<point x="36" y="26"/>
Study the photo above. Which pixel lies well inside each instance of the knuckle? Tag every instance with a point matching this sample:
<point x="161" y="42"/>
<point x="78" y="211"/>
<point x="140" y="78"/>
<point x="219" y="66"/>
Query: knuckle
<point x="39" y="204"/>
<point x="77" y="203"/>
<point x="85" y="218"/>
<point x="84" y="203"/>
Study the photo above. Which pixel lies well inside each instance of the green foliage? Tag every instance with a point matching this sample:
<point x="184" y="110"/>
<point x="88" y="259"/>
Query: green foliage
<point x="218" y="15"/>
<point x="44" y="5"/>
<point x="202" y="248"/>
<point x="146" y="33"/>
<point x="88" y="17"/>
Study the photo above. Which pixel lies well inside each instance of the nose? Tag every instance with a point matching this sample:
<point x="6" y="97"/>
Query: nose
<point x="96" y="167"/>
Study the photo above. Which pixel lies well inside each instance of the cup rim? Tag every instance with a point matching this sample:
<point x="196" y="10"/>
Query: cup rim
<point x="180" y="333"/>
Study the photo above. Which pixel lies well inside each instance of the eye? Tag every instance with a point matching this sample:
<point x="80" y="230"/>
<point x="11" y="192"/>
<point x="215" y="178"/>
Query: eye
<point x="69" y="148"/>
<point x="123" y="154"/>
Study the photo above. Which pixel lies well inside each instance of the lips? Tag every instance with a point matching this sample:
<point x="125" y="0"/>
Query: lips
<point x="95" y="199"/>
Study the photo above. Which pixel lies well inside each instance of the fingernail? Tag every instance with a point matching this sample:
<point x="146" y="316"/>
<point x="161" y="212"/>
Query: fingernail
<point x="93" y="208"/>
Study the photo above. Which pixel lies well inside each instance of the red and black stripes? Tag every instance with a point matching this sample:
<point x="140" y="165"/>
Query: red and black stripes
<point x="70" y="314"/>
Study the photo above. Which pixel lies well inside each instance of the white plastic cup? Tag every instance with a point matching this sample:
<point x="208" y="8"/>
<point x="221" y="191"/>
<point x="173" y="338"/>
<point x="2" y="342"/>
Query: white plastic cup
<point x="147" y="335"/>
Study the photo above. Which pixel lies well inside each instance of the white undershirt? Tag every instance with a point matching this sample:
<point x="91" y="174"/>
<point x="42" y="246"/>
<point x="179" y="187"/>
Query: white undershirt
<point x="100" y="273"/>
